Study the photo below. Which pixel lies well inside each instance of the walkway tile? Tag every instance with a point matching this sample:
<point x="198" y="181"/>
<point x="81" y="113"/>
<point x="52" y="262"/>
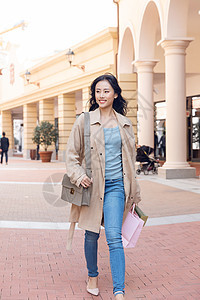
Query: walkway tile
<point x="160" y="200"/>
<point x="34" y="263"/>
<point x="164" y="265"/>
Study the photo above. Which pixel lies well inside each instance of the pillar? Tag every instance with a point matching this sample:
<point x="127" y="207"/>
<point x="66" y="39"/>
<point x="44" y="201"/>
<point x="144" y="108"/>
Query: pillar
<point x="30" y="122"/>
<point x="176" y="165"/>
<point x="46" y="110"/>
<point x="46" y="113"/>
<point x="7" y="127"/>
<point x="145" y="102"/>
<point x="66" y="119"/>
<point x="128" y="84"/>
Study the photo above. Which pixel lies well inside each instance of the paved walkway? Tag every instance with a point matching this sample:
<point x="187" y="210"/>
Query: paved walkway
<point x="34" y="263"/>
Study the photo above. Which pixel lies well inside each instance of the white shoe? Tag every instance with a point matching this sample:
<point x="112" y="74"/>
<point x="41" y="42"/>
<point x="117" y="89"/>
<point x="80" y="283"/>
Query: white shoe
<point x="94" y="292"/>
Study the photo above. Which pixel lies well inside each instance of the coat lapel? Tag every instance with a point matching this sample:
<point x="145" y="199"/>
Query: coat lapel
<point x="100" y="147"/>
<point x="98" y="137"/>
<point x="124" y="125"/>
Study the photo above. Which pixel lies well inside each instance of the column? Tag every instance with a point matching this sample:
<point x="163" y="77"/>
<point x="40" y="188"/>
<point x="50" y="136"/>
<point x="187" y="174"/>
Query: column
<point x="46" y="113"/>
<point x="30" y="122"/>
<point x="66" y="119"/>
<point x="46" y="110"/>
<point x="7" y="127"/>
<point x="145" y="102"/>
<point x="85" y="98"/>
<point x="176" y="165"/>
<point x="128" y="84"/>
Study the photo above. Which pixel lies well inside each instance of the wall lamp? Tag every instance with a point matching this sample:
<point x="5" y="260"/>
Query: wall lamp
<point x="28" y="77"/>
<point x="70" y="56"/>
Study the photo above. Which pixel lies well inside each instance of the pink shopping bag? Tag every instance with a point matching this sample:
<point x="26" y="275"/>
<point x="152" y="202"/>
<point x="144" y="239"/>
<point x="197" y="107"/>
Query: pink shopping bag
<point x="131" y="229"/>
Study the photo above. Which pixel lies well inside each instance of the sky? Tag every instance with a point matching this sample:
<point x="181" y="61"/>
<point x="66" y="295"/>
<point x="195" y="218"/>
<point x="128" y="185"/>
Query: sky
<point x="54" y="25"/>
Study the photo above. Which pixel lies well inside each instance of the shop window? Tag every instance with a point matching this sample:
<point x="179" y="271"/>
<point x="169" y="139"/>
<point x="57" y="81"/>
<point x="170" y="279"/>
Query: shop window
<point x="196" y="128"/>
<point x="159" y="130"/>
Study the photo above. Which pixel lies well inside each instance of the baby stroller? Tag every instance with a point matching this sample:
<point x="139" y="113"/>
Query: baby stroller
<point x="146" y="163"/>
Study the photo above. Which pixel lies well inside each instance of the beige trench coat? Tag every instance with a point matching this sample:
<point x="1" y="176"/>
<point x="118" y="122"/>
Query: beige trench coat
<point x="90" y="218"/>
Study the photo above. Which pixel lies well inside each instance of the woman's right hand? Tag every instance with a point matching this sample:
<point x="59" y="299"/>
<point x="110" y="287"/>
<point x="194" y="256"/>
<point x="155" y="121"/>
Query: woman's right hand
<point x="86" y="181"/>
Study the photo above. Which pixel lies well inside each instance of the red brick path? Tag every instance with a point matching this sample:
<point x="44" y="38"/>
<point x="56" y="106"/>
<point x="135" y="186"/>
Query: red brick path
<point x="34" y="264"/>
<point x="32" y="175"/>
<point x="164" y="265"/>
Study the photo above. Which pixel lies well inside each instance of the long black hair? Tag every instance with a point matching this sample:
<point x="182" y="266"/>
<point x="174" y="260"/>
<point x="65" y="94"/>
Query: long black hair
<point x="119" y="103"/>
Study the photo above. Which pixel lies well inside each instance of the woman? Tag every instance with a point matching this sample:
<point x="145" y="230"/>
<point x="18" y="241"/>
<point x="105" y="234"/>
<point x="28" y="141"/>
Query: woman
<point x="113" y="184"/>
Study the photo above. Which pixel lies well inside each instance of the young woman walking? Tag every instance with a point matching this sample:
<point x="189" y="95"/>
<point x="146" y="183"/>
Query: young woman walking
<point x="113" y="185"/>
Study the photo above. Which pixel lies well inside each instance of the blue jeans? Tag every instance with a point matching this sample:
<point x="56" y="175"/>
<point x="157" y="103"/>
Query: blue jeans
<point x="113" y="209"/>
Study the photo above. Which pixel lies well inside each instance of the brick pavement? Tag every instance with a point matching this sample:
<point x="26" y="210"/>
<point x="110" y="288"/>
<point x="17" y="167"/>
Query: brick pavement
<point x="31" y="175"/>
<point x="36" y="203"/>
<point x="160" y="200"/>
<point x="34" y="264"/>
<point x="21" y="170"/>
<point x="40" y="200"/>
<point x="42" y="203"/>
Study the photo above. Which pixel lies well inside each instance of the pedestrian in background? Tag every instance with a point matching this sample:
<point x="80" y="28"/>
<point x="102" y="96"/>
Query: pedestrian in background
<point x="162" y="143"/>
<point x="4" y="147"/>
<point x="155" y="143"/>
<point x="114" y="188"/>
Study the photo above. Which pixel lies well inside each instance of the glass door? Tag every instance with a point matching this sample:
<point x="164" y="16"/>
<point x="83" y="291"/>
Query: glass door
<point x="159" y="130"/>
<point x="195" y="132"/>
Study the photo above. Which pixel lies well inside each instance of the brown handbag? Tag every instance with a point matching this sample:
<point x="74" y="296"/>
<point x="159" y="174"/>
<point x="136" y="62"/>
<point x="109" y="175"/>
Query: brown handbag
<point x="70" y="192"/>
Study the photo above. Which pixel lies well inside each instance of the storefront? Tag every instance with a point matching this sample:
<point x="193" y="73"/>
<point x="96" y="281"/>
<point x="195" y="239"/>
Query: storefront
<point x="160" y="129"/>
<point x="193" y="121"/>
<point x="159" y="41"/>
<point x="193" y="128"/>
<point x="58" y="92"/>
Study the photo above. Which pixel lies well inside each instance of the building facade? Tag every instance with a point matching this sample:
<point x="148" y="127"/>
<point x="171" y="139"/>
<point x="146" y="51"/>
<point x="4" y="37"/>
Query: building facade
<point x="160" y="42"/>
<point x="57" y="92"/>
<point x="157" y="62"/>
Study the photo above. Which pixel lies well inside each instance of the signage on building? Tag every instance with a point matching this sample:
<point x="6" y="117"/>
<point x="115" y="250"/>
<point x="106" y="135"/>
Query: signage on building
<point x="12" y="74"/>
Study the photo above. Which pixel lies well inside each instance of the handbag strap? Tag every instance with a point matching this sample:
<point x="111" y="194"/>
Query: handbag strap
<point x="87" y="143"/>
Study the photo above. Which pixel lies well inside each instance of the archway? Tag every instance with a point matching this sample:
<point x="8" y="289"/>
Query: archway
<point x="147" y="57"/>
<point x="126" y="52"/>
<point x="151" y="31"/>
<point x="176" y="19"/>
<point x="127" y="78"/>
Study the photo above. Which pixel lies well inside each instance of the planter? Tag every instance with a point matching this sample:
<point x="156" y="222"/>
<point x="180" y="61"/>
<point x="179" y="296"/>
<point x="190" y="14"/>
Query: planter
<point x="33" y="154"/>
<point x="45" y="155"/>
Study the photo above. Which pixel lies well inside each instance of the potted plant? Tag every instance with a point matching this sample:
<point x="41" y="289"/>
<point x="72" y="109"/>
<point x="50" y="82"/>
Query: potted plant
<point x="45" y="134"/>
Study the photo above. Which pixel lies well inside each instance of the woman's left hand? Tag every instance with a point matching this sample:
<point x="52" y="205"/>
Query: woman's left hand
<point x="86" y="181"/>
